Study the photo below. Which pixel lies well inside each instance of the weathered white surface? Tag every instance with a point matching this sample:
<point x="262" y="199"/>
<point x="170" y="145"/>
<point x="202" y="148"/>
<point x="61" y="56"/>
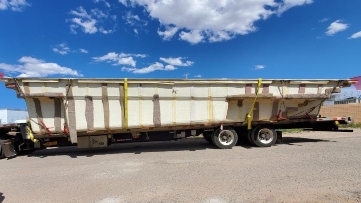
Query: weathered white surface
<point x="181" y="102"/>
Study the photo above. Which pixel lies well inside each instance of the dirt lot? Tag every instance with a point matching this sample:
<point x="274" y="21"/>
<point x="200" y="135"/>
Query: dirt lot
<point x="307" y="167"/>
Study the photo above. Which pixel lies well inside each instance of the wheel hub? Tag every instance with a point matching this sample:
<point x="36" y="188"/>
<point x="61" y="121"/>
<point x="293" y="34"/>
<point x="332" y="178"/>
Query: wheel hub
<point x="226" y="137"/>
<point x="265" y="136"/>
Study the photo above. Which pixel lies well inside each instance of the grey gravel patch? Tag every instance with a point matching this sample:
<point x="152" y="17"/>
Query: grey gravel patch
<point x="111" y="200"/>
<point x="309" y="167"/>
<point x="215" y="200"/>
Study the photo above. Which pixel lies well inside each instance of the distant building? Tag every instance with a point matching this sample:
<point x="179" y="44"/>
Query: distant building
<point x="351" y="100"/>
<point x="12" y="115"/>
<point x="333" y="100"/>
<point x="348" y="95"/>
<point x="330" y="101"/>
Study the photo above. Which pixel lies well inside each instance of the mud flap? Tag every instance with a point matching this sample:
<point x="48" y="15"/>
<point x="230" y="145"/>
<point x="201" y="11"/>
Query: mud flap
<point x="279" y="137"/>
<point x="7" y="149"/>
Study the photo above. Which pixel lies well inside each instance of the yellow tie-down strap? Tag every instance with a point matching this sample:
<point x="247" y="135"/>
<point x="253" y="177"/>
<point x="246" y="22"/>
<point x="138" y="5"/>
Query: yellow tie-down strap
<point x="249" y="114"/>
<point x="30" y="133"/>
<point x="125" y="103"/>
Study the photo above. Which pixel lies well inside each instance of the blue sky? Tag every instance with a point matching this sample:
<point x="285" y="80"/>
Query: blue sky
<point x="178" y="39"/>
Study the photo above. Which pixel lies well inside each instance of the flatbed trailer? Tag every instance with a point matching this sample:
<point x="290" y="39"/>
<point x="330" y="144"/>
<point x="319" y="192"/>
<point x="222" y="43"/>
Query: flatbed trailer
<point x="98" y="112"/>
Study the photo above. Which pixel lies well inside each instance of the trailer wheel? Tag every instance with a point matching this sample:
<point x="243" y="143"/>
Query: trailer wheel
<point x="264" y="136"/>
<point x="249" y="137"/>
<point x="2" y="155"/>
<point x="226" y="138"/>
<point x="208" y="137"/>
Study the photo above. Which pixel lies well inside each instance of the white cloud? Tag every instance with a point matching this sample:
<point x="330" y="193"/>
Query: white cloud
<point x="129" y="62"/>
<point x="73" y="28"/>
<point x="127" y="69"/>
<point x="14" y="5"/>
<point x="131" y="18"/>
<point x="119" y="59"/>
<point x="62" y="49"/>
<point x="126" y="61"/>
<point x="88" y="26"/>
<point x="105" y="2"/>
<point x="287" y="4"/>
<point x="169" y="67"/>
<point x="356" y="35"/>
<point x="98" y="13"/>
<point x="193" y="37"/>
<point x="111" y="56"/>
<point x="83" y="51"/>
<point x="259" y="67"/>
<point x="90" y="23"/>
<point x="124" y="2"/>
<point x="3" y="4"/>
<point x="140" y="55"/>
<point x="336" y="27"/>
<point x="176" y="61"/>
<point x="220" y="36"/>
<point x="323" y="20"/>
<point x="168" y="33"/>
<point x="32" y="67"/>
<point x="211" y="20"/>
<point x="104" y="31"/>
<point x="134" y="20"/>
<point x="198" y="76"/>
<point x="153" y="67"/>
<point x="81" y="12"/>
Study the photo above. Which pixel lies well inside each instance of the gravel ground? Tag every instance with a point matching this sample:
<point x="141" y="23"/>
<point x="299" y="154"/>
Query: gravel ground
<point x="307" y="167"/>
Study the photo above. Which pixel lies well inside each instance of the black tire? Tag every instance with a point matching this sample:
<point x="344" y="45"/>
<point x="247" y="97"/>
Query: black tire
<point x="249" y="137"/>
<point x="26" y="152"/>
<point x="2" y="155"/>
<point x="264" y="136"/>
<point x="208" y="137"/>
<point x="242" y="135"/>
<point x="226" y="138"/>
